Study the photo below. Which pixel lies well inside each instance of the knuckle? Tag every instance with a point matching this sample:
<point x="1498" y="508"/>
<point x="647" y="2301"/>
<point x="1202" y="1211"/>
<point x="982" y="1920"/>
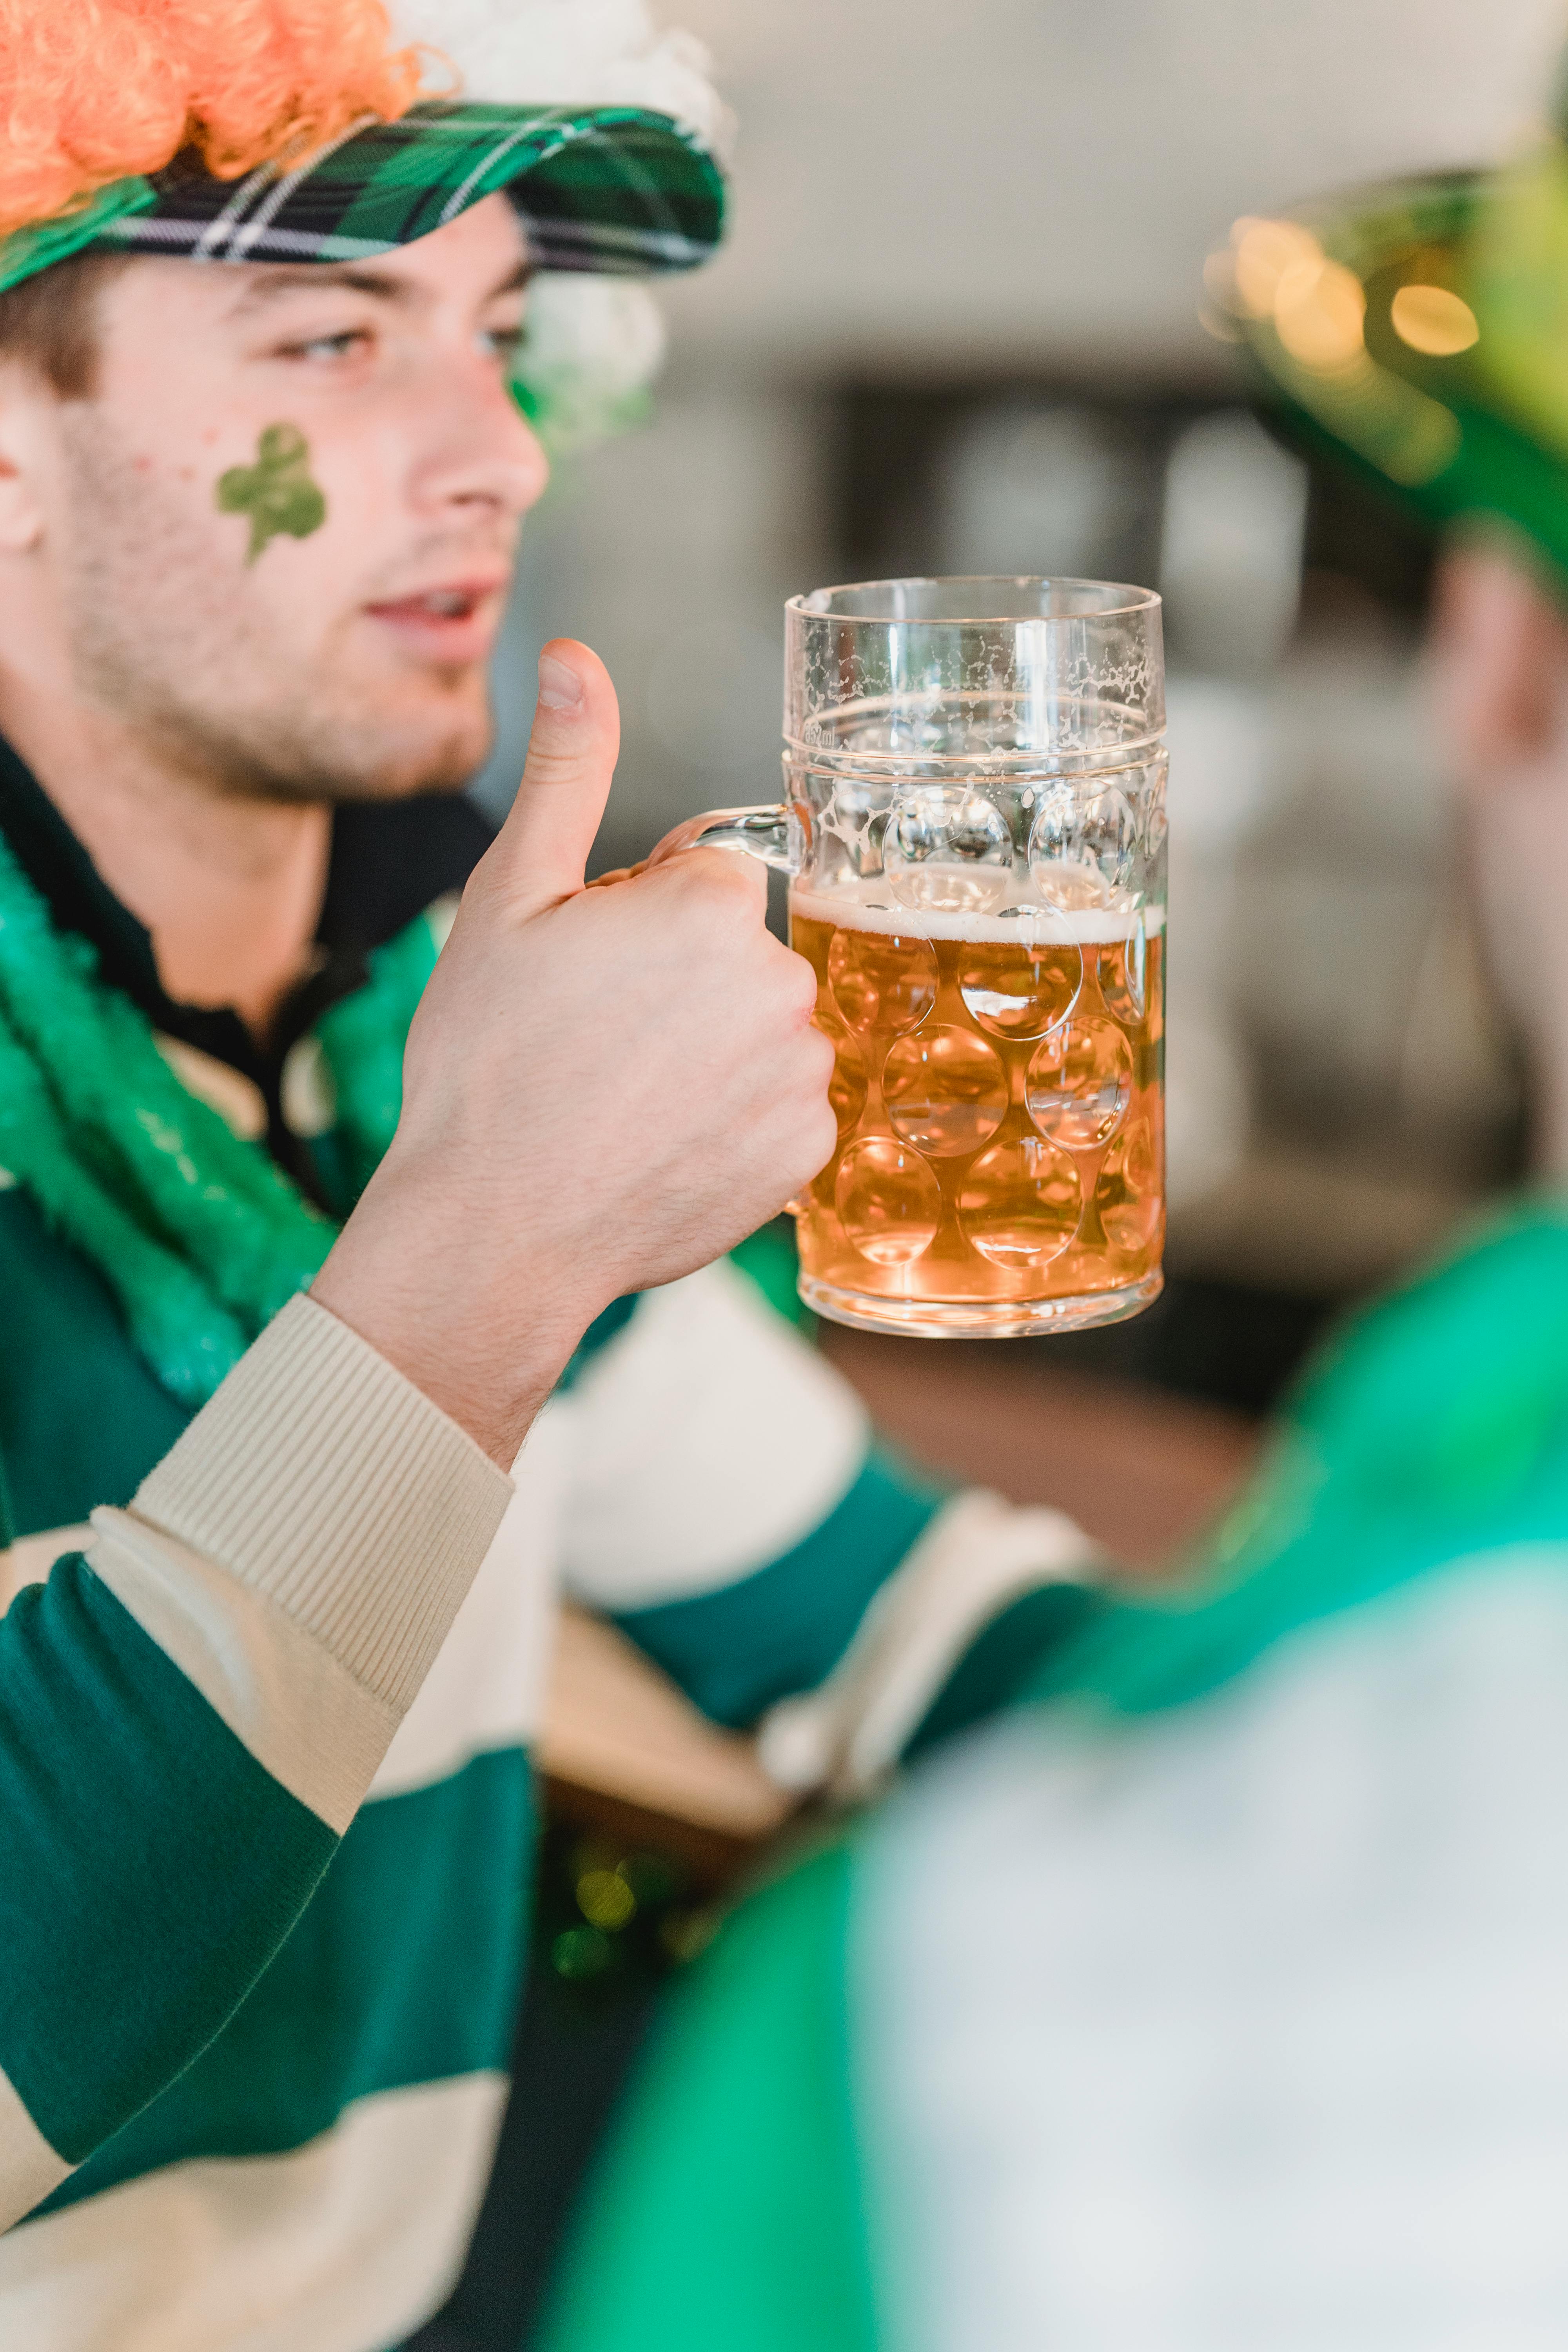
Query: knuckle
<point x="740" y="878"/>
<point x="813" y="1147"/>
<point x="719" y="870"/>
<point x="802" y="981"/>
<point x="786" y="989"/>
<point x="715" y="884"/>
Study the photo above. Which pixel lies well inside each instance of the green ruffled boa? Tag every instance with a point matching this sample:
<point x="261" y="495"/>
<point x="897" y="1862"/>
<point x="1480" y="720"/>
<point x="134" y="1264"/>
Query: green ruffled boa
<point x="199" y="1236"/>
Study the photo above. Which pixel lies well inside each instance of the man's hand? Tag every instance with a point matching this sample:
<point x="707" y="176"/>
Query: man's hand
<point x="603" y="1090"/>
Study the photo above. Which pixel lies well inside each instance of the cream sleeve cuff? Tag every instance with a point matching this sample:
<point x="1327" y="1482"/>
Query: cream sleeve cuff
<point x="302" y="1549"/>
<point x="324" y="1479"/>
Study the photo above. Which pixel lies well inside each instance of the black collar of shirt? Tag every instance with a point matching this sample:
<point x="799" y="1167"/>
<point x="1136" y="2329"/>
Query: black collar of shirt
<point x="389" y="860"/>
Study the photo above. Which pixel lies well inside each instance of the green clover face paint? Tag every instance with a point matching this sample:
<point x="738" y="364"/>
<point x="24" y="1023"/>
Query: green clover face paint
<point x="277" y="492"/>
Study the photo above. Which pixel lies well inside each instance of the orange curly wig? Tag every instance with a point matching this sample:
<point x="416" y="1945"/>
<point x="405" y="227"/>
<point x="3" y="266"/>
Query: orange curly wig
<point x="96" y="91"/>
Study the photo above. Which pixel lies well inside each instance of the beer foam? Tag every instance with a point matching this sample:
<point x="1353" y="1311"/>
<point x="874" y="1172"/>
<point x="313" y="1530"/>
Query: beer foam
<point x="870" y="907"/>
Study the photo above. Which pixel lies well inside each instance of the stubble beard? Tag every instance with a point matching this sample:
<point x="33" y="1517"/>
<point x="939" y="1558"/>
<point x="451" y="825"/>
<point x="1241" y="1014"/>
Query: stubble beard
<point x="165" y="642"/>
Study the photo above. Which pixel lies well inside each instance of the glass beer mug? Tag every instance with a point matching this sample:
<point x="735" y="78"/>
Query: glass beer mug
<point x="974" y="829"/>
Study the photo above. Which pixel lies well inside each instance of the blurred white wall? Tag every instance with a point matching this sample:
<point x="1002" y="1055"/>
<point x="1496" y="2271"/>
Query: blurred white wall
<point x="935" y="179"/>
<point x="922" y="186"/>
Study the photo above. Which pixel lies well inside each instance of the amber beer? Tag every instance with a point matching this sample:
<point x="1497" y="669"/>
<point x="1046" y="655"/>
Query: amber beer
<point x="998" y="1090"/>
<point x="974" y="826"/>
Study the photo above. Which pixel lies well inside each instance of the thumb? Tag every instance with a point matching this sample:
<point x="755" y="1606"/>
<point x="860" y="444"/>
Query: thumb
<point x="544" y="845"/>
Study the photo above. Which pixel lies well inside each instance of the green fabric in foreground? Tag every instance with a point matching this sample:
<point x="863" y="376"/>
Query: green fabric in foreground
<point x="733" y="2211"/>
<point x="731" y="2214"/>
<point x="119" y="1789"/>
<point x="1434" y="1426"/>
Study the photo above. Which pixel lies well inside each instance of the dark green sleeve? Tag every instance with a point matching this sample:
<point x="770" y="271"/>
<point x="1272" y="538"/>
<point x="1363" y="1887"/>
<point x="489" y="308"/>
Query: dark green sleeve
<point x="150" y="1868"/>
<point x="783" y="1628"/>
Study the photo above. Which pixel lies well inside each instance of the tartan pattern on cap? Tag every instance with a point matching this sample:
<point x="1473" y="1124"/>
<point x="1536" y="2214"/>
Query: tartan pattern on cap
<point x="609" y="189"/>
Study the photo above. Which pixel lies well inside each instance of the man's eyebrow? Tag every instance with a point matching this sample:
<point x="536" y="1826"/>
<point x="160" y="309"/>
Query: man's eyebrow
<point x="382" y="285"/>
<point x="515" y="280"/>
<point x="307" y="277"/>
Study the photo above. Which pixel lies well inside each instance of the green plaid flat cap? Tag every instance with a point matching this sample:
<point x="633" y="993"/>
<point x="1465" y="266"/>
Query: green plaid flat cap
<point x="604" y="189"/>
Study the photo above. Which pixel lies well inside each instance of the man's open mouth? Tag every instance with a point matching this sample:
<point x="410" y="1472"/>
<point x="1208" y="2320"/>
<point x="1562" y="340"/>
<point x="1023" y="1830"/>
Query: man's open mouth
<point x="456" y="619"/>
<point x="450" y="604"/>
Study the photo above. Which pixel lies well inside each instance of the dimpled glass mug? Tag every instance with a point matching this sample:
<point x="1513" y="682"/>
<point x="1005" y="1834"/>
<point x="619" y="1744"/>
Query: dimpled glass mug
<point x="974" y="829"/>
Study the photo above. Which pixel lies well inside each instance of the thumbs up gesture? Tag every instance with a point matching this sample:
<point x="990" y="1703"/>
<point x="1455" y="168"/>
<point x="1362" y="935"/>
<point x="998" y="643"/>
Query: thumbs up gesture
<point x="603" y="1090"/>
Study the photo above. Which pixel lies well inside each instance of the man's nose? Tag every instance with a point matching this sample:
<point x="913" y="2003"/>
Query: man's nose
<point x="484" y="453"/>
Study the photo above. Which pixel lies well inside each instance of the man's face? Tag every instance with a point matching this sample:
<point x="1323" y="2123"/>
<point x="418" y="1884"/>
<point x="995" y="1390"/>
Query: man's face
<point x="281" y="532"/>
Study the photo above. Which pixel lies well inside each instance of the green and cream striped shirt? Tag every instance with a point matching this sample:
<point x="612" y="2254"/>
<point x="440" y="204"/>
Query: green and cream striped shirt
<point x="269" y="1685"/>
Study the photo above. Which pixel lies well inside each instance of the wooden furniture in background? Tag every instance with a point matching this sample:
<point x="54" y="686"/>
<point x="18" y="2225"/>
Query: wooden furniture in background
<point x="622" y="1750"/>
<point x="1142" y="1471"/>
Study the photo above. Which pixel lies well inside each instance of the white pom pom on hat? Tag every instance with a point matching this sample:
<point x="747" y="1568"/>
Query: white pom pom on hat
<point x="595" y="343"/>
<point x="570" y="53"/>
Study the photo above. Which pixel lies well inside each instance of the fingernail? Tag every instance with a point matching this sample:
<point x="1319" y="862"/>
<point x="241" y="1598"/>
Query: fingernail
<point x="560" y="687"/>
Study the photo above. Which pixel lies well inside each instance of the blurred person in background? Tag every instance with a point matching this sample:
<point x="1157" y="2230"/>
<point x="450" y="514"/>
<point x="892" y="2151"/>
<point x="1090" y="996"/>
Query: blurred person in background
<point x="262" y="472"/>
<point x="1215" y="1999"/>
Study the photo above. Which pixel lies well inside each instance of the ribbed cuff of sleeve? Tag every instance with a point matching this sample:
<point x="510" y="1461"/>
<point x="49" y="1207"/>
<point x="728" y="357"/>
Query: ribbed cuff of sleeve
<point x="321" y="1478"/>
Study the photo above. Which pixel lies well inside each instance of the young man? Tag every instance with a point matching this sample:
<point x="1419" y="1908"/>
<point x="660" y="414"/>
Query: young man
<point x="228" y="1665"/>
<point x="261" y="477"/>
<point x="1215" y="2000"/>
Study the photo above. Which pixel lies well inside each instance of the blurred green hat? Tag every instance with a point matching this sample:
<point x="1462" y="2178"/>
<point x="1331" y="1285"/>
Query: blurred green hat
<point x="1417" y="331"/>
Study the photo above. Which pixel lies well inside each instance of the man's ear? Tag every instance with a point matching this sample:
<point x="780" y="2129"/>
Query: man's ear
<point x="25" y="414"/>
<point x="1500" y="643"/>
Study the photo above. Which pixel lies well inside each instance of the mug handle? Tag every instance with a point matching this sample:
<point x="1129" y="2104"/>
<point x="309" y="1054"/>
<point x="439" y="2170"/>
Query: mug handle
<point x="770" y="831"/>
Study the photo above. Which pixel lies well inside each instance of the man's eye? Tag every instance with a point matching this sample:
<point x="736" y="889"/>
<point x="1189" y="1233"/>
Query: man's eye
<point x="344" y="346"/>
<point x="506" y="342"/>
